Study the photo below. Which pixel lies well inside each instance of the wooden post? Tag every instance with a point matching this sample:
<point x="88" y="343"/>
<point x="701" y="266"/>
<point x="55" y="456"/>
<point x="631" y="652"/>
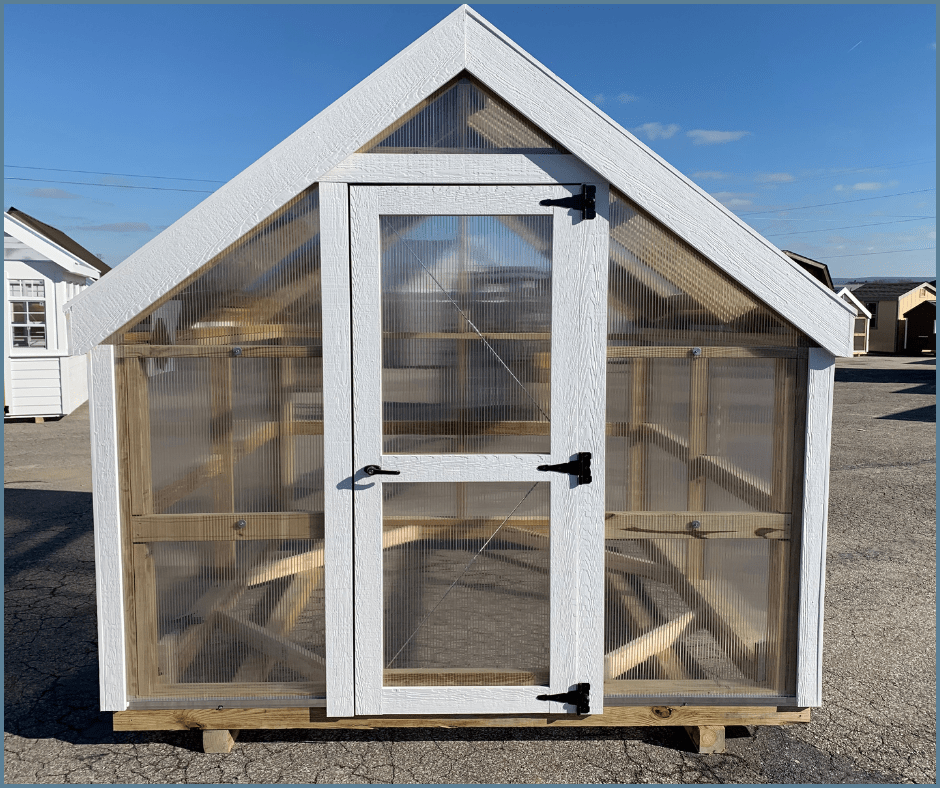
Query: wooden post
<point x="220" y="741"/>
<point x="707" y="738"/>
<point x="698" y="439"/>
<point x="636" y="483"/>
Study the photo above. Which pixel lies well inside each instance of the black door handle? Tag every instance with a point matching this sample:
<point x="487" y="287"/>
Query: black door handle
<point x="372" y="470"/>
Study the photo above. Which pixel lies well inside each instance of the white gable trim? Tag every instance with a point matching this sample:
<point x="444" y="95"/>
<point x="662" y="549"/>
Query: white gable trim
<point x="52" y="251"/>
<point x="845" y="292"/>
<point x="464" y="40"/>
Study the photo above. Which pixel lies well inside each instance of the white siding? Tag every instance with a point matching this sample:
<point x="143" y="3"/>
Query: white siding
<point x="74" y="372"/>
<point x="36" y="387"/>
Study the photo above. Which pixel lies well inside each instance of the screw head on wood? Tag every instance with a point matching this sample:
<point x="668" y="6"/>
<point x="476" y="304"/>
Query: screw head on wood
<point x="240" y="524"/>
<point x="236" y="351"/>
<point x="696" y="351"/>
<point x="695" y="525"/>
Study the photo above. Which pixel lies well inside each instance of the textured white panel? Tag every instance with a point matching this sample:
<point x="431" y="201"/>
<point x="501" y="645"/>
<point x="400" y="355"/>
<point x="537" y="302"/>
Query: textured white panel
<point x="107" y="509"/>
<point x="337" y="448"/>
<point x="815" y="509"/>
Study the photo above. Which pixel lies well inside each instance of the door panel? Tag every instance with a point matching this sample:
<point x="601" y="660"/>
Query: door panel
<point x="478" y="335"/>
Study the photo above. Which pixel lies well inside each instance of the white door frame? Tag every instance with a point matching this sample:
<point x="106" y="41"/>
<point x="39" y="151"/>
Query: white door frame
<point x="579" y="287"/>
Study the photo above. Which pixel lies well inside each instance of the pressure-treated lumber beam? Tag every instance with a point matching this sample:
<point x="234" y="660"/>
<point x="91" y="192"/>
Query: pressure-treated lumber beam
<point x="707" y="738"/>
<point x="616" y="716"/>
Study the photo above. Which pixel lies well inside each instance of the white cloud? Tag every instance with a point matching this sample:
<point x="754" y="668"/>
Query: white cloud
<point x="714" y="175"/>
<point x="703" y="137"/>
<point x="51" y="194"/>
<point x="656" y="131"/>
<point x="626" y="98"/>
<point x="120" y="227"/>
<point x="867" y="186"/>
<point x="733" y="199"/>
<point x="775" y="177"/>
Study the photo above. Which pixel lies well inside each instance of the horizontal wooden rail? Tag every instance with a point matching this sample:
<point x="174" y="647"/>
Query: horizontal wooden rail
<point x="222" y="527"/>
<point x="216" y="351"/>
<point x="231" y="334"/>
<point x="616" y="352"/>
<point x="285" y="718"/>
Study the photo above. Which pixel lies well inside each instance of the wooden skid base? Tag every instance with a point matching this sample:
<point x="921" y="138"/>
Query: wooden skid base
<point x="248" y="719"/>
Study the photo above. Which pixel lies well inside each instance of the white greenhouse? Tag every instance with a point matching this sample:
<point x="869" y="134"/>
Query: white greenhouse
<point x="460" y="407"/>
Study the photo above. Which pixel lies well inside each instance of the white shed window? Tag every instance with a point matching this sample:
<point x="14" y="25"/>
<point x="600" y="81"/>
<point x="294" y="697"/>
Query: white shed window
<point x="28" y="312"/>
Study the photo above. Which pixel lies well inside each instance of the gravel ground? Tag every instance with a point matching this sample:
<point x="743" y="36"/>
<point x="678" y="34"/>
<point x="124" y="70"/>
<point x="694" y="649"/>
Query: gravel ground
<point x="877" y="724"/>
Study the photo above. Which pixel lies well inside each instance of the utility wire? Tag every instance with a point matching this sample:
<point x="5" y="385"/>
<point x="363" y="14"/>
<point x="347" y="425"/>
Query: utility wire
<point x="843" y="202"/>
<point x="850" y="227"/>
<point x="110" y="185"/>
<point x="120" y="174"/>
<point x="868" y="254"/>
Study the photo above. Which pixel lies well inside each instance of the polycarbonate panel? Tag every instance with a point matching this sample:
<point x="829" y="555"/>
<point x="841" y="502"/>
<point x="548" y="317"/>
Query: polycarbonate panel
<point x="462" y="117"/>
<point x="263" y="289"/>
<point x="689" y="617"/>
<point x="466" y="584"/>
<point x="466" y="334"/>
<point x="740" y="433"/>
<point x="238" y="613"/>
<point x="235" y="434"/>
<point x="663" y="292"/>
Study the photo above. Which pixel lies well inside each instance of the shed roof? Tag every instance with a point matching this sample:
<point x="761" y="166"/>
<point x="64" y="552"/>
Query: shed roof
<point x="60" y="238"/>
<point x="463" y="41"/>
<point x="816" y="269"/>
<point x="887" y="291"/>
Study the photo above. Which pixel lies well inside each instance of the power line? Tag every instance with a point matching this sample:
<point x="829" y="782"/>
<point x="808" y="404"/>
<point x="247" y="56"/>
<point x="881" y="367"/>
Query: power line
<point x="119" y="174"/>
<point x="868" y="254"/>
<point x="110" y="185"/>
<point x="843" y="202"/>
<point x="850" y="227"/>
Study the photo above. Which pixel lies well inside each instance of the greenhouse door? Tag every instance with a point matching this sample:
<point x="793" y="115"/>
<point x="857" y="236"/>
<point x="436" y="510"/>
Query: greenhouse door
<point x="478" y="360"/>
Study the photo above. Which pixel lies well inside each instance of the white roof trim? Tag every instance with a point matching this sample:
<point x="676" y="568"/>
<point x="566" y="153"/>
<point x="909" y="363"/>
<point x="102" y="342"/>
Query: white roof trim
<point x="52" y="251"/>
<point x="463" y="40"/>
<point x="858" y="304"/>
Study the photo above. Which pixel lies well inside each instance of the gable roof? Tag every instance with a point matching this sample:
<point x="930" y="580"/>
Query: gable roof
<point x="58" y="238"/>
<point x="816" y="269"/>
<point x="846" y="295"/>
<point x="887" y="291"/>
<point x="463" y="41"/>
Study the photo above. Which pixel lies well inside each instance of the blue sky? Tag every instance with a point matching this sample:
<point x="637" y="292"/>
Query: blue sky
<point x="777" y="110"/>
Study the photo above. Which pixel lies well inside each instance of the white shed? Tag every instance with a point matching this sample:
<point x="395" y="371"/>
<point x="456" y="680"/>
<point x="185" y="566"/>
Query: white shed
<point x="42" y="269"/>
<point x="460" y="403"/>
<point x="861" y="324"/>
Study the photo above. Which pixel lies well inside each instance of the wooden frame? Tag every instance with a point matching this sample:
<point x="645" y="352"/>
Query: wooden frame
<point x="579" y="321"/>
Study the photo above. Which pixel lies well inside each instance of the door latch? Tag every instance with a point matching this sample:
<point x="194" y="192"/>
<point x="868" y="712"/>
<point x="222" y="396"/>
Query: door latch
<point x="580" y="698"/>
<point x="586" y="202"/>
<point x="580" y="467"/>
<point x="372" y="470"/>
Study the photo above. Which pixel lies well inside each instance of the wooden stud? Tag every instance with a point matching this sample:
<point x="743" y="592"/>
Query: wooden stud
<point x="137" y="417"/>
<point x="639" y="391"/>
<point x="647" y="645"/>
<point x="145" y="597"/>
<point x="698" y="444"/>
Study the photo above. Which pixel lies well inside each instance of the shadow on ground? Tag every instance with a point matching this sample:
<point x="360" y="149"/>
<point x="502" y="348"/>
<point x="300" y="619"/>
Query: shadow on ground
<point x="924" y="381"/>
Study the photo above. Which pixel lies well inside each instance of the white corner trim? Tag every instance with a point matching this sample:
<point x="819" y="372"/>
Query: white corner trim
<point x="54" y="252"/>
<point x="337" y="448"/>
<point x="109" y="584"/>
<point x="272" y="181"/>
<point x="820" y="383"/>
<point x="846" y="293"/>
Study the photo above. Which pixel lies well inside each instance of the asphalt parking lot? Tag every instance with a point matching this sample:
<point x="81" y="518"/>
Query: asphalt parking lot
<point x="877" y="723"/>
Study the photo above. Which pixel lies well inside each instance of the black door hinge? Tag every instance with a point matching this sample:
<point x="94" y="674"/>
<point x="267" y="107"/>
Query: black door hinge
<point x="585" y="202"/>
<point x="580" y="698"/>
<point x="580" y="467"/>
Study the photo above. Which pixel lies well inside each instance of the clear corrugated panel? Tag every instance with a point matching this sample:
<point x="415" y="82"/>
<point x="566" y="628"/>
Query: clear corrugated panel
<point x="663" y="292"/>
<point x="248" y="614"/>
<point x="466" y="334"/>
<point x="263" y="289"/>
<point x="462" y="117"/>
<point x="700" y="453"/>
<point x="687" y="617"/>
<point x="466" y="584"/>
<point x="739" y="449"/>
<point x="236" y="434"/>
